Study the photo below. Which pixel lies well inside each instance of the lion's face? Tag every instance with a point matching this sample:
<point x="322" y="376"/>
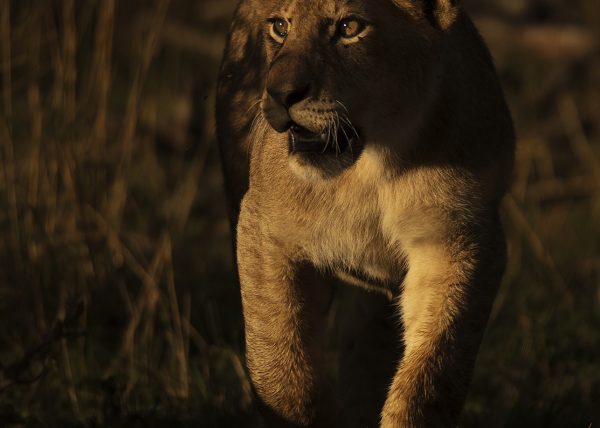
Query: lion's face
<point x="344" y="75"/>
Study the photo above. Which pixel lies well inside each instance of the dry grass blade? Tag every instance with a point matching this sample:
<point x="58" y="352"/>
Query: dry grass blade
<point x="5" y="40"/>
<point x="119" y="189"/>
<point x="579" y="142"/>
<point x="69" y="50"/>
<point x="148" y="51"/>
<point x="6" y="142"/>
<point x="142" y="311"/>
<point x="10" y="184"/>
<point x="181" y="339"/>
<point x="101" y="74"/>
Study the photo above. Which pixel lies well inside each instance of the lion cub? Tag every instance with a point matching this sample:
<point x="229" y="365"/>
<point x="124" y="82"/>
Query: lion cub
<point x="367" y="140"/>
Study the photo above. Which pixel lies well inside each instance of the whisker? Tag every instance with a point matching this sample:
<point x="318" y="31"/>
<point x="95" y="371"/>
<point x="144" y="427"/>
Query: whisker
<point x="254" y="122"/>
<point x="343" y="106"/>
<point x="253" y="105"/>
<point x="348" y="139"/>
<point x="328" y="135"/>
<point x="336" y="135"/>
<point x="259" y="127"/>
<point x="347" y="121"/>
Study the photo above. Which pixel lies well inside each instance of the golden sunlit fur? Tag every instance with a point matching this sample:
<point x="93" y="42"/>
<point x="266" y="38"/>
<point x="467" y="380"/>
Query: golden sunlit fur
<point x="408" y="206"/>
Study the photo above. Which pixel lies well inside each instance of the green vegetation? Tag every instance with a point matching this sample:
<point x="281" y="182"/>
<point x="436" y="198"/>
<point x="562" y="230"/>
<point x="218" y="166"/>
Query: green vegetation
<point x="118" y="301"/>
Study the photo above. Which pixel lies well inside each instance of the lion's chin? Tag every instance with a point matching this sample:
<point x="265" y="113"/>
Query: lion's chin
<point x="307" y="167"/>
<point x="312" y="166"/>
<point x="321" y="156"/>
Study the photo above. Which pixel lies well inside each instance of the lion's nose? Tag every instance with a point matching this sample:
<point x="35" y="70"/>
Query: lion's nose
<point x="288" y="93"/>
<point x="282" y="96"/>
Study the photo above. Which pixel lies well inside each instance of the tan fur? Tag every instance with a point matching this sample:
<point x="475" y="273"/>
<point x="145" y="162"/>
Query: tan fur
<point x="410" y="210"/>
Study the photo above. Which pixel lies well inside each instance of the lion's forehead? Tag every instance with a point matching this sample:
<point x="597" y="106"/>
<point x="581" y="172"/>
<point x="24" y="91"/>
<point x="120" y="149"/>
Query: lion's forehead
<point x="297" y="7"/>
<point x="322" y="8"/>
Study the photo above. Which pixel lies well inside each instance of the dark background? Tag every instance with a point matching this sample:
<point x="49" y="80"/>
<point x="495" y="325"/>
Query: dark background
<point x="118" y="303"/>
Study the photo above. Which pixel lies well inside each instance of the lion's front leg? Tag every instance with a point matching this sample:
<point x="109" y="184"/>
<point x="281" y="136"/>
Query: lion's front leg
<point x="445" y="305"/>
<point x="284" y="305"/>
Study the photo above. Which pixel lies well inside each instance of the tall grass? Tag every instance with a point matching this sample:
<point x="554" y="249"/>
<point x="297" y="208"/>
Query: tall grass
<point x="118" y="304"/>
<point x="93" y="209"/>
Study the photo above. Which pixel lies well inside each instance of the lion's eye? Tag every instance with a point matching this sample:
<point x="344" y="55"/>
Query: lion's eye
<point x="279" y="29"/>
<point x="350" y="27"/>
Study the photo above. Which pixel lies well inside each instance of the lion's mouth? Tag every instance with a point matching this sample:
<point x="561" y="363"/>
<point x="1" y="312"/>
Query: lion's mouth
<point x="302" y="140"/>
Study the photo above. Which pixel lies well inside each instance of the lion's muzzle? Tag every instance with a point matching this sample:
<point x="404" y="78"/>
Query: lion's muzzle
<point x="293" y="103"/>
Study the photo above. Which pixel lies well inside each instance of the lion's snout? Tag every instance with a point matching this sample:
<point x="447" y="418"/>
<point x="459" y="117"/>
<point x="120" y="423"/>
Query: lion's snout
<point x="288" y="83"/>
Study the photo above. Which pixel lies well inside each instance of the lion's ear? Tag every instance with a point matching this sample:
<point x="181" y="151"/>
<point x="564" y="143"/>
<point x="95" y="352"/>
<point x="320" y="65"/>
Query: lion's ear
<point x="441" y="13"/>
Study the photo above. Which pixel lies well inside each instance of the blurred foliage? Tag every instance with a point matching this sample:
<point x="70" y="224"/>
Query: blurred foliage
<point x="118" y="301"/>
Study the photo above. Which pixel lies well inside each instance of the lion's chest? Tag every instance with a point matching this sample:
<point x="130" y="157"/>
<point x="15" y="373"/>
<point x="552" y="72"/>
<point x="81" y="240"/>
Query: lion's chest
<point x="371" y="228"/>
<point x="365" y="222"/>
<point x="348" y="236"/>
<point x="345" y="232"/>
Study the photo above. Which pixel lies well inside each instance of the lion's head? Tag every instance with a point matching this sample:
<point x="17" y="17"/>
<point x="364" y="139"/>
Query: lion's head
<point x="347" y="74"/>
